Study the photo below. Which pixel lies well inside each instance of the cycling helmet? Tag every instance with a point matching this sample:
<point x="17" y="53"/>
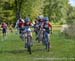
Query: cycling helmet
<point x="20" y="19"/>
<point x="46" y="19"/>
<point x="27" y="19"/>
<point x="40" y="17"/>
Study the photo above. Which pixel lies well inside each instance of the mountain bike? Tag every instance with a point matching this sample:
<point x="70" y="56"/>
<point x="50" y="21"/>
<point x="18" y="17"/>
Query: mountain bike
<point x="28" y="40"/>
<point x="46" y="41"/>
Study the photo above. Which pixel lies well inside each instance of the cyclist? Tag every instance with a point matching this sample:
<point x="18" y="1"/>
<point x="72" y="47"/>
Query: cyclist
<point x="40" y="25"/>
<point x="47" y="28"/>
<point x="36" y="28"/>
<point x="19" y="24"/>
<point x="27" y="26"/>
<point x="40" y="20"/>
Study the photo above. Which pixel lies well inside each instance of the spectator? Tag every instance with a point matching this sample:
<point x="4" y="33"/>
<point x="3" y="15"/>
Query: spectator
<point x="4" y="28"/>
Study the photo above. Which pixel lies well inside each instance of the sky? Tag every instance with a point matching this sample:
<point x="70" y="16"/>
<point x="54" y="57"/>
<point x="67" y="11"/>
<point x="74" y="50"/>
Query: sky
<point x="72" y="2"/>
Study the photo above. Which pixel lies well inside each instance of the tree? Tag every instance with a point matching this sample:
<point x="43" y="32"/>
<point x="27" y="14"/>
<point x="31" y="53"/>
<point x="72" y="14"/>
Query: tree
<point x="56" y="9"/>
<point x="18" y="7"/>
<point x="32" y="8"/>
<point x="6" y="10"/>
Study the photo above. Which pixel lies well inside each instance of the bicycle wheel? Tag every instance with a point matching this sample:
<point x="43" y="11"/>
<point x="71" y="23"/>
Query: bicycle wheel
<point x="46" y="42"/>
<point x="40" y="37"/>
<point x="29" y="44"/>
<point x="47" y="46"/>
<point x="29" y="50"/>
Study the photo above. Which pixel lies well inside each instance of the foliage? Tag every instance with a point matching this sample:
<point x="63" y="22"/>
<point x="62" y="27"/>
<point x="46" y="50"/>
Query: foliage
<point x="6" y="10"/>
<point x="33" y="8"/>
<point x="56" y="10"/>
<point x="71" y="15"/>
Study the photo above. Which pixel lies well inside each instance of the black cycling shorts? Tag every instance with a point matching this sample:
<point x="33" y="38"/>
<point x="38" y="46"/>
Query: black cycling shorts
<point x="4" y="30"/>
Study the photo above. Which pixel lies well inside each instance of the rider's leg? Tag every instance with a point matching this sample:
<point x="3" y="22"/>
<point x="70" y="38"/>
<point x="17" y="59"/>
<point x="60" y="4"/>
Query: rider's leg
<point x="4" y="32"/>
<point x="31" y="38"/>
<point x="36" y="35"/>
<point x="48" y="39"/>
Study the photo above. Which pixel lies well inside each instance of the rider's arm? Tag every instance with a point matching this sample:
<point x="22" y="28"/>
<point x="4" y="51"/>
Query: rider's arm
<point x="50" y="27"/>
<point x="31" y="24"/>
<point x="17" y="24"/>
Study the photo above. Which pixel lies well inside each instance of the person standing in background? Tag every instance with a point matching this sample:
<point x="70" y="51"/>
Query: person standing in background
<point x="4" y="28"/>
<point x="11" y="27"/>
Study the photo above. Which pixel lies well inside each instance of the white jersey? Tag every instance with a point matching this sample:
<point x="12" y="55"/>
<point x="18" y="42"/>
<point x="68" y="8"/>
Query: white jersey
<point x="18" y="23"/>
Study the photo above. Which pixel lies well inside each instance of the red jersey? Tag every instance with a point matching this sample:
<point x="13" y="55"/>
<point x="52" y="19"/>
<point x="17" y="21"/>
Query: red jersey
<point x="28" y="24"/>
<point x="4" y="25"/>
<point x="47" y="25"/>
<point x="21" y="24"/>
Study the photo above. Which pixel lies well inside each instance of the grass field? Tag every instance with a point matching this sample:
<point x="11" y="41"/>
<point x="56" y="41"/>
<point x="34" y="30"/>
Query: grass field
<point x="12" y="49"/>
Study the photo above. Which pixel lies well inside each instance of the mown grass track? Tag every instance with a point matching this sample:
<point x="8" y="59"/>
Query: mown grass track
<point x="12" y="49"/>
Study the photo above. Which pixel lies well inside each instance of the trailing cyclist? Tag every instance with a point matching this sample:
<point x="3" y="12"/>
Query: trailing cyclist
<point x="48" y="29"/>
<point x="39" y="23"/>
<point x="20" y="26"/>
<point x="20" y="22"/>
<point x="36" y="28"/>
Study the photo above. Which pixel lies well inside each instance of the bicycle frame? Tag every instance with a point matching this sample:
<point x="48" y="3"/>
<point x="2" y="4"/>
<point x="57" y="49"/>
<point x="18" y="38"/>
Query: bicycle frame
<point x="28" y="40"/>
<point x="40" y="35"/>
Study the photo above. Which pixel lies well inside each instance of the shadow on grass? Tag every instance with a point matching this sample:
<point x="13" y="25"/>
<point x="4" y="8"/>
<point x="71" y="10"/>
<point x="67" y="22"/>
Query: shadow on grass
<point x="20" y="51"/>
<point x="37" y="50"/>
<point x="14" y="51"/>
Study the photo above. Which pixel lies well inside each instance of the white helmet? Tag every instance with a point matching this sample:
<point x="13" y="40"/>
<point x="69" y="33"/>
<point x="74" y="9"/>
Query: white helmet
<point x="41" y="17"/>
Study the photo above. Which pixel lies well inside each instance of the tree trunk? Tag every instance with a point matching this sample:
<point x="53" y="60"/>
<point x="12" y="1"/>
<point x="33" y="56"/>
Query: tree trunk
<point x="18" y="4"/>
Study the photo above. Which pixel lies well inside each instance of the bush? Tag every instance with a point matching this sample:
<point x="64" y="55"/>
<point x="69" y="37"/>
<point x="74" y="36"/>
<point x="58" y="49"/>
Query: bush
<point x="69" y="30"/>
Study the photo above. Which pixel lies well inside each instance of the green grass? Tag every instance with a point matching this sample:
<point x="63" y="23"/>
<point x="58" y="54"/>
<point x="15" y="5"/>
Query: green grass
<point x="12" y="49"/>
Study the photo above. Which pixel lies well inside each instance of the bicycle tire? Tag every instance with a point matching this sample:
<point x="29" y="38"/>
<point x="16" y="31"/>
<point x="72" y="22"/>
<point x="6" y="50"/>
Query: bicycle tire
<point x="28" y="44"/>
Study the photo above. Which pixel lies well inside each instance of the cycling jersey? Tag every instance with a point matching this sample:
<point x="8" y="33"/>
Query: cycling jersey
<point x="47" y="27"/>
<point x="27" y="26"/>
